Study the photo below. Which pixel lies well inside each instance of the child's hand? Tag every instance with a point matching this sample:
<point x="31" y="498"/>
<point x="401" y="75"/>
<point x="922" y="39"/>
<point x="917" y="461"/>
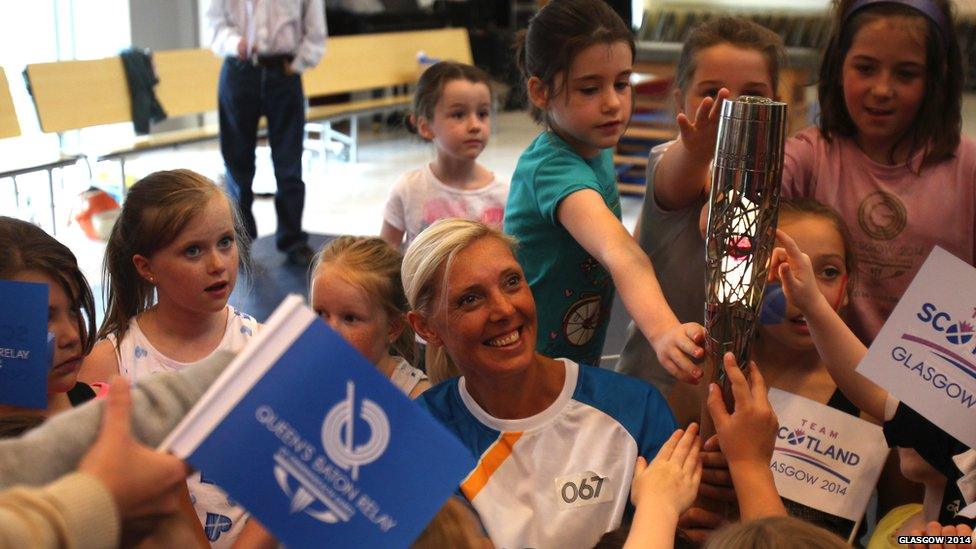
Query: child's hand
<point x="716" y="482"/>
<point x="698" y="137"/>
<point x="936" y="529"/>
<point x="697" y="524"/>
<point x="678" y="348"/>
<point x="749" y="433"/>
<point x="672" y="478"/>
<point x="242" y="48"/>
<point x="796" y="273"/>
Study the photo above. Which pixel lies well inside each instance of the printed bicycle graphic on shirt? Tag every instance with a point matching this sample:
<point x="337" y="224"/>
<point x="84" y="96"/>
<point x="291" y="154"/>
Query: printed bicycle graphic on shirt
<point x="583" y="318"/>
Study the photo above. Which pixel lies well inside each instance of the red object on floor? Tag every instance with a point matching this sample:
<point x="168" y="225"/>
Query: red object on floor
<point x="97" y="209"/>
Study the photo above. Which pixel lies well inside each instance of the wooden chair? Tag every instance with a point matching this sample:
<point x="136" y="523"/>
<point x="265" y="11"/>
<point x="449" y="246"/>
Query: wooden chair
<point x="187" y="81"/>
<point x="72" y="95"/>
<point x="10" y="128"/>
<point x="368" y="62"/>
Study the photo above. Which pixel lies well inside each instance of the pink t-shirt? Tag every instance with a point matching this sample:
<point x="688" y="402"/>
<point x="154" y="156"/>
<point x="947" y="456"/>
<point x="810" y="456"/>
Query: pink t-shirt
<point x="895" y="216"/>
<point x="418" y="199"/>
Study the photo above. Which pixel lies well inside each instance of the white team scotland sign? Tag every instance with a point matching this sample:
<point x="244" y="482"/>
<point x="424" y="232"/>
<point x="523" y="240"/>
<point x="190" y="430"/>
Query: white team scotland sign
<point x="925" y="354"/>
<point x="825" y="458"/>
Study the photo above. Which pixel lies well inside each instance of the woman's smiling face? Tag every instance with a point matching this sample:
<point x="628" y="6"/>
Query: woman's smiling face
<point x="485" y="317"/>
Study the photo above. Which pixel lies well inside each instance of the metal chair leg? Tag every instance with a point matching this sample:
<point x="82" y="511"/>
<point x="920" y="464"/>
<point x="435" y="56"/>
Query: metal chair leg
<point x="125" y="190"/>
<point x="354" y="139"/>
<point x="50" y="194"/>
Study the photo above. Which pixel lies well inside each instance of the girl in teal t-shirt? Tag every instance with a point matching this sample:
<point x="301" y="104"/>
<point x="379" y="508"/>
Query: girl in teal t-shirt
<point x="563" y="205"/>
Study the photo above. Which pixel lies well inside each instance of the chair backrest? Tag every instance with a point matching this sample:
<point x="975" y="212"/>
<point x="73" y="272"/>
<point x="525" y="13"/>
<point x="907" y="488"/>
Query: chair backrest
<point x="367" y="61"/>
<point x="9" y="127"/>
<point x="187" y="80"/>
<point x="71" y="95"/>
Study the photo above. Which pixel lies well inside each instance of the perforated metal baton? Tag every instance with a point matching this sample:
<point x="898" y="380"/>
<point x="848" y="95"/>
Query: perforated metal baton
<point x="743" y="206"/>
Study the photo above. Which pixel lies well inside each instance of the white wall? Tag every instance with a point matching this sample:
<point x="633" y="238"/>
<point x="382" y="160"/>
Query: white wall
<point x="164" y="25"/>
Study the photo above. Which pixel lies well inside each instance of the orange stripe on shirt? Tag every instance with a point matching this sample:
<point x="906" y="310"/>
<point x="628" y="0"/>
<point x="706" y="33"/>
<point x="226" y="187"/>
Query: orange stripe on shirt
<point x="490" y="461"/>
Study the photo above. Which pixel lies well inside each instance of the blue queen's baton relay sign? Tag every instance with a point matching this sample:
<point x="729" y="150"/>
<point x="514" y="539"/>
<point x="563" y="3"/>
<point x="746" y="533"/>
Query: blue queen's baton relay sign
<point x="325" y="451"/>
<point x="925" y="354"/>
<point x="25" y="357"/>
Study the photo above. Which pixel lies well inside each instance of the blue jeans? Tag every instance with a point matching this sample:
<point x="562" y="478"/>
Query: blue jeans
<point x="245" y="93"/>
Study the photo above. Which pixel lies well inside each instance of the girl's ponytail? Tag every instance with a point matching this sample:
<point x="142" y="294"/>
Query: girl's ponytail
<point x="126" y="294"/>
<point x="519" y="49"/>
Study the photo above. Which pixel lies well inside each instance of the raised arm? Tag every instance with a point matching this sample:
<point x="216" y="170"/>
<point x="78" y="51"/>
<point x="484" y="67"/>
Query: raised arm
<point x="664" y="489"/>
<point x="391" y="235"/>
<point x="839" y="348"/>
<point x="682" y="174"/>
<point x="747" y="437"/>
<point x="159" y="402"/>
<point x="585" y="215"/>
